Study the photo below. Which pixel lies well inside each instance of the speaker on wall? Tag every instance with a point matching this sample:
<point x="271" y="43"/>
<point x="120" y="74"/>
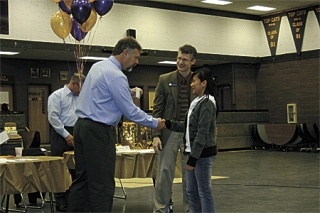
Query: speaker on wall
<point x="131" y="33"/>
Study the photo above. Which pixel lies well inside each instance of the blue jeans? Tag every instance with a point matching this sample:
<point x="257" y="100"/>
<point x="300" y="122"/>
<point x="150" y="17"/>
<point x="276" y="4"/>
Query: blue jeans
<point x="199" y="190"/>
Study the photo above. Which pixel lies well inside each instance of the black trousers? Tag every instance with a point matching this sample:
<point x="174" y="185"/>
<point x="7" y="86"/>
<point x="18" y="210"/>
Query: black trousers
<point x="35" y="195"/>
<point x="58" y="146"/>
<point x="95" y="157"/>
<point x="31" y="196"/>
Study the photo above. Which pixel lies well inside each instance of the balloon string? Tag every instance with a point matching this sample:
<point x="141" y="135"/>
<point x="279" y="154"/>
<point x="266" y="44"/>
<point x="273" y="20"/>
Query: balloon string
<point x="68" y="62"/>
<point x="65" y="44"/>
<point x="90" y="42"/>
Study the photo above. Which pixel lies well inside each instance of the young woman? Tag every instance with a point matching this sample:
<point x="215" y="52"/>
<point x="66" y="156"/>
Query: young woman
<point x="200" y="140"/>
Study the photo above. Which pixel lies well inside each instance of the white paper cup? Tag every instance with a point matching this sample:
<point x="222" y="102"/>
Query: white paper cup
<point x="18" y="151"/>
<point x="138" y="93"/>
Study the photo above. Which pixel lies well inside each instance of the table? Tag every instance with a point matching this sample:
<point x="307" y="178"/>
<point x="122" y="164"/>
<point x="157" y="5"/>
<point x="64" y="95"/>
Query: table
<point x="34" y="174"/>
<point x="136" y="163"/>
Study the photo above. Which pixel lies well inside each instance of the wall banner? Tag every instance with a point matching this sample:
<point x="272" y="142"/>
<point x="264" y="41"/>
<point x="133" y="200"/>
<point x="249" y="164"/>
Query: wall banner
<point x="316" y="9"/>
<point x="272" y="26"/>
<point x="297" y="20"/>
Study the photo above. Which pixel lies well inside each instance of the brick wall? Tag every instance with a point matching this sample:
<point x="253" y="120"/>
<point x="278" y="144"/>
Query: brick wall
<point x="279" y="84"/>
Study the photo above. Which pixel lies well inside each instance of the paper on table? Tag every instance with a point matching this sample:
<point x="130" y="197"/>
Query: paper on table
<point x="3" y="160"/>
<point x="3" y="137"/>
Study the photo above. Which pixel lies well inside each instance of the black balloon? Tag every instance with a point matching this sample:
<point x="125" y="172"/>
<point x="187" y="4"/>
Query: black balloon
<point x="81" y="10"/>
<point x="102" y="7"/>
<point x="64" y="7"/>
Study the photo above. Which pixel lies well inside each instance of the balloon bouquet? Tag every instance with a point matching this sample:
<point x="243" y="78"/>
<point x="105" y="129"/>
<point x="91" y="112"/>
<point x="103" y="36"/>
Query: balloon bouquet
<point x="78" y="17"/>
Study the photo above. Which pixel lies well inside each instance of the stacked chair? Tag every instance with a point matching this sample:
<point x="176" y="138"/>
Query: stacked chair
<point x="286" y="137"/>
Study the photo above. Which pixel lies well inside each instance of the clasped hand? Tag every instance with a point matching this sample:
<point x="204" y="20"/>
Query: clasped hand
<point x="161" y="124"/>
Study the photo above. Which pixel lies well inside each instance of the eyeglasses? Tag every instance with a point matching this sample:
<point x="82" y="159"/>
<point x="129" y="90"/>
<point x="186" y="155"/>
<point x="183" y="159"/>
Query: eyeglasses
<point x="184" y="60"/>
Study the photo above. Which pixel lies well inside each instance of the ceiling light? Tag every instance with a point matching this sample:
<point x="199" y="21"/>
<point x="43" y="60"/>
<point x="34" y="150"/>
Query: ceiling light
<point x="219" y="2"/>
<point x="8" y="53"/>
<point x="93" y="58"/>
<point x="167" y="62"/>
<point x="261" y="8"/>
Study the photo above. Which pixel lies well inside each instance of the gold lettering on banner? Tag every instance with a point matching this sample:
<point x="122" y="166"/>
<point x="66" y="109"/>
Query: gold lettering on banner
<point x="297" y="20"/>
<point x="272" y="25"/>
<point x="275" y="19"/>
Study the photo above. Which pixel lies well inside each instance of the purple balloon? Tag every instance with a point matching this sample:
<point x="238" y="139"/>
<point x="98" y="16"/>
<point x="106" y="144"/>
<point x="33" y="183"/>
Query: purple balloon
<point x="76" y="31"/>
<point x="102" y="7"/>
<point x="64" y="7"/>
<point x="81" y="10"/>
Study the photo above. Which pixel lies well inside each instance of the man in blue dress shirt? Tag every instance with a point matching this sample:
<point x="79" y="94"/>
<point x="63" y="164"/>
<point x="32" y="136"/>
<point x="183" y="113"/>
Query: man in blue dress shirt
<point x="104" y="98"/>
<point x="62" y="117"/>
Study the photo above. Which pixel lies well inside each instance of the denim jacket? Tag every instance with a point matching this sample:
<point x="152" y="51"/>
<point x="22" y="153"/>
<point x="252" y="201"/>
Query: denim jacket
<point x="202" y="130"/>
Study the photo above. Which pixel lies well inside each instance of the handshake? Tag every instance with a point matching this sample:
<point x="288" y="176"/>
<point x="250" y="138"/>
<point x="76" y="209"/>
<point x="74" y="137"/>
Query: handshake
<point x="161" y="124"/>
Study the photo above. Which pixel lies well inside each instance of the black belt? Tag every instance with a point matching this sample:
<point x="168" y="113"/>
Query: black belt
<point x="97" y="122"/>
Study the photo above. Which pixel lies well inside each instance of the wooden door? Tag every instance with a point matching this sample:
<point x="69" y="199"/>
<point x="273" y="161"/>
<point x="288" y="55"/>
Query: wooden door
<point x="38" y="113"/>
<point x="225" y="94"/>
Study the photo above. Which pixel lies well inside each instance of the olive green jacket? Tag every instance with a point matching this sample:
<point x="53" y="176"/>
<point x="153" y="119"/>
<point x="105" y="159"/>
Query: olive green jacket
<point x="166" y="102"/>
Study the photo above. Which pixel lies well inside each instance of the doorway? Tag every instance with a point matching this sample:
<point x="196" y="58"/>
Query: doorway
<point x="37" y="111"/>
<point x="6" y="95"/>
<point x="225" y="94"/>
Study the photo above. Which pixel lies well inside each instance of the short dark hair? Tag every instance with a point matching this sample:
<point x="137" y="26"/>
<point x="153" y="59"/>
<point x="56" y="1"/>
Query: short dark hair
<point x="188" y="49"/>
<point x="77" y="77"/>
<point x="126" y="43"/>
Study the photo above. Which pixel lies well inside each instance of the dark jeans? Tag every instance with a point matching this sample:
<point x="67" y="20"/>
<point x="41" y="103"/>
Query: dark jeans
<point x="58" y="146"/>
<point x="95" y="157"/>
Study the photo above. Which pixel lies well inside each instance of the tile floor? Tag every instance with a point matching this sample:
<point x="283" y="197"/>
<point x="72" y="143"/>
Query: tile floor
<point x="243" y="181"/>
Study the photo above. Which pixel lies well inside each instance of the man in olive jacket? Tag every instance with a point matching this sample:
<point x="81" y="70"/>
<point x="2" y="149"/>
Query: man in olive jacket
<point x="172" y="100"/>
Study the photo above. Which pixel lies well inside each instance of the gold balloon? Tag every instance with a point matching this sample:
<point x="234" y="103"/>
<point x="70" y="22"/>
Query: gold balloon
<point x="68" y="3"/>
<point x="91" y="21"/>
<point x="56" y="1"/>
<point x="61" y="24"/>
<point x="91" y="1"/>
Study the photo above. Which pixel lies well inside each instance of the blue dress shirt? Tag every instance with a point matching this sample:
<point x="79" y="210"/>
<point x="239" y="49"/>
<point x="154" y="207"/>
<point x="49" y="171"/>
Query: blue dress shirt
<point x="105" y="96"/>
<point x="61" y="110"/>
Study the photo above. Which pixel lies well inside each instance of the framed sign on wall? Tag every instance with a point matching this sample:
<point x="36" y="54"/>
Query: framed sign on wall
<point x="34" y="72"/>
<point x="292" y="113"/>
<point x="45" y="73"/>
<point x="64" y="76"/>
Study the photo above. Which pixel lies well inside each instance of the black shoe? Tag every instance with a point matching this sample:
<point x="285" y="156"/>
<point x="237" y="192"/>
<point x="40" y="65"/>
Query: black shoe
<point x="61" y="208"/>
<point x="171" y="206"/>
<point x="18" y="205"/>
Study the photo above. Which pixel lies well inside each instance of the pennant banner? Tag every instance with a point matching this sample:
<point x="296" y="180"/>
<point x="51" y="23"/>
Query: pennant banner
<point x="297" y="20"/>
<point x="272" y="26"/>
<point x="317" y="12"/>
